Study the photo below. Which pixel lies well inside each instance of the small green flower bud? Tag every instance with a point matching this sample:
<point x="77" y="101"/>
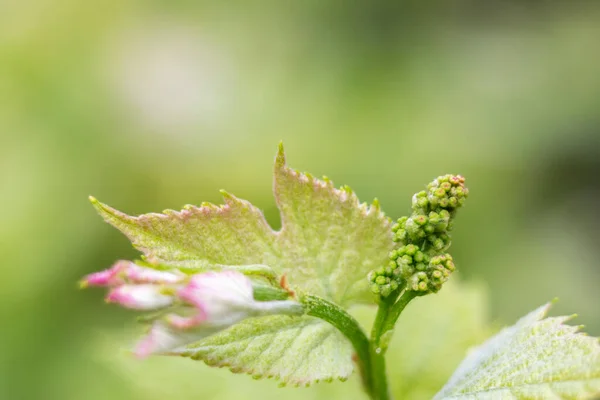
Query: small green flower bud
<point x="411" y="227"/>
<point x="400" y="224"/>
<point x="410" y="249"/>
<point x="406" y="270"/>
<point x="380" y="280"/>
<point x="418" y="256"/>
<point x="420" y="202"/>
<point x="434" y="218"/>
<point x="375" y="289"/>
<point x="458" y="191"/>
<point x="401" y="236"/>
<point x="399" y="229"/>
<point x="386" y="290"/>
<point x="456" y="180"/>
<point x="420" y="220"/>
<point x="436" y="243"/>
<point x="439" y="193"/>
<point x="384" y="280"/>
<point x="422" y="194"/>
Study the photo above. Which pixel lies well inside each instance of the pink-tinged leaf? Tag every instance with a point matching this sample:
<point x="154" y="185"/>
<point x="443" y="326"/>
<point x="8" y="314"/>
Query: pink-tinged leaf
<point x="328" y="243"/>
<point x="199" y="238"/>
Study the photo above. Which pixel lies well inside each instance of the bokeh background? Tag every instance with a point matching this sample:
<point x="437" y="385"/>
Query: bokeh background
<point x="151" y="105"/>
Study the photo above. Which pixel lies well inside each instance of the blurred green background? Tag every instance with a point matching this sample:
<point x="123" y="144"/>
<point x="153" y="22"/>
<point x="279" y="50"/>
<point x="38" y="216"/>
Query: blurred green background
<point x="150" y="105"/>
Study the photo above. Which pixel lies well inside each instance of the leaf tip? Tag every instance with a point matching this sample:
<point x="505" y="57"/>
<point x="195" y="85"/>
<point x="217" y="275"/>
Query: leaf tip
<point x="280" y="159"/>
<point x="376" y="203"/>
<point x="100" y="207"/>
<point x="226" y="195"/>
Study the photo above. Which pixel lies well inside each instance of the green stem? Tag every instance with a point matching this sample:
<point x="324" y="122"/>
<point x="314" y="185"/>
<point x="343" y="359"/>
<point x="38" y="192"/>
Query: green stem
<point x="382" y="314"/>
<point x="269" y="293"/>
<point x="378" y="374"/>
<point x="396" y="310"/>
<point x="370" y="354"/>
<point x="387" y="314"/>
<point x="378" y="370"/>
<point x="345" y="323"/>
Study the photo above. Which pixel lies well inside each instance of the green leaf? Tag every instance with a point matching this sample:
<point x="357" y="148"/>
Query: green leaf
<point x="199" y="238"/>
<point x="329" y="240"/>
<point x="294" y="350"/>
<point x="328" y="243"/>
<point x="534" y="359"/>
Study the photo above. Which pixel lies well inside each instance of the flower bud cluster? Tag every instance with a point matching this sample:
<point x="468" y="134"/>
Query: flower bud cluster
<point x="446" y="192"/>
<point x="433" y="212"/>
<point x="431" y="278"/>
<point x="384" y="280"/>
<point x="421" y="263"/>
<point x="431" y="229"/>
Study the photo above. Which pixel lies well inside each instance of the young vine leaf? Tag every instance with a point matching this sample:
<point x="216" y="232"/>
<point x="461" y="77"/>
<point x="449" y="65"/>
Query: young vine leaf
<point x="537" y="358"/>
<point x="328" y="243"/>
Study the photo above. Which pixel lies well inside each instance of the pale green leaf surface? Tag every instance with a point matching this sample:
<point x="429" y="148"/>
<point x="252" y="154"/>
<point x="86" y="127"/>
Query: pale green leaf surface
<point x="328" y="243"/>
<point x="297" y="350"/>
<point x="199" y="238"/>
<point x="536" y="358"/>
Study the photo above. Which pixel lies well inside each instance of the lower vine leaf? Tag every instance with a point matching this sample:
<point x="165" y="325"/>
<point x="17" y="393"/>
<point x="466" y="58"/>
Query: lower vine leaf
<point x="294" y="350"/>
<point x="534" y="359"/>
